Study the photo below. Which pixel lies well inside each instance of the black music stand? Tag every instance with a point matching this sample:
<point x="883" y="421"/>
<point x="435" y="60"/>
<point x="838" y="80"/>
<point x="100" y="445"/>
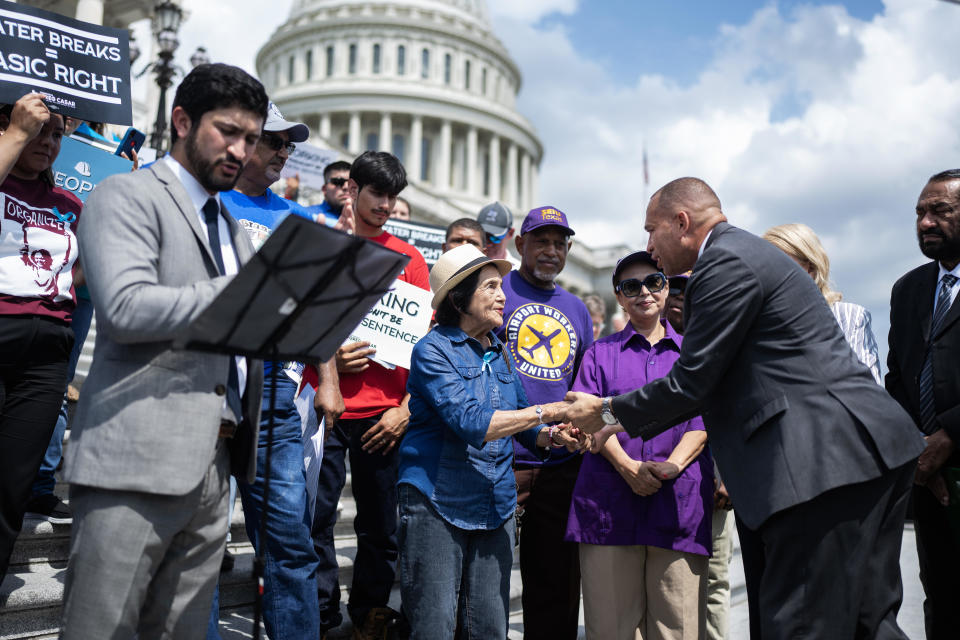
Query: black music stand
<point x="298" y="298"/>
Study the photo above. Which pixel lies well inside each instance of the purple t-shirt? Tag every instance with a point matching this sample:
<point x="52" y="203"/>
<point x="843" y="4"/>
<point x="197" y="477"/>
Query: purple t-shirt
<point x="546" y="333"/>
<point x="604" y="509"/>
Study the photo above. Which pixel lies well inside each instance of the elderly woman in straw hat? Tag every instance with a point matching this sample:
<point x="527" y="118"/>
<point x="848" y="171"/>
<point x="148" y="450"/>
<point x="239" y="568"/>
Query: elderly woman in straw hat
<point x="457" y="492"/>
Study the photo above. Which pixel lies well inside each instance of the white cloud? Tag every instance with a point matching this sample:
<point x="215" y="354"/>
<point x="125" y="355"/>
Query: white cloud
<point x="874" y="112"/>
<point x="530" y="10"/>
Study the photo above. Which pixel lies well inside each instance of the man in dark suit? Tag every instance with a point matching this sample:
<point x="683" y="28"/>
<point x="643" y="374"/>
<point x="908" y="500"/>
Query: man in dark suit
<point x="817" y="458"/>
<point x="924" y="377"/>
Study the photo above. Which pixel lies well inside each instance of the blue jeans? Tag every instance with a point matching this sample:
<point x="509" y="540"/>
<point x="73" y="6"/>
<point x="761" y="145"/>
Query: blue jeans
<point x="44" y="482"/>
<point x="450" y="575"/>
<point x="374" y="481"/>
<point x="290" y="607"/>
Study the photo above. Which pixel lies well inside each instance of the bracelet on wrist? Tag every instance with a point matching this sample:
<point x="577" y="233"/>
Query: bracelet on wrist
<point x="553" y="441"/>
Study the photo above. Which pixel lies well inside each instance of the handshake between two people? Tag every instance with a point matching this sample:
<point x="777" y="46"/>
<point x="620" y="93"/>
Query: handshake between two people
<point x="581" y="426"/>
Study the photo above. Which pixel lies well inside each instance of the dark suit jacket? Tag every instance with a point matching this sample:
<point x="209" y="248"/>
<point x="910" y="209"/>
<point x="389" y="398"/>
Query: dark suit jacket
<point x="790" y="411"/>
<point x="911" y="309"/>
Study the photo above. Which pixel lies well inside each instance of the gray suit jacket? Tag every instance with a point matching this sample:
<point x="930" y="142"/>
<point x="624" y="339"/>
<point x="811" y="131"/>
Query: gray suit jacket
<point x="148" y="416"/>
<point x="789" y="409"/>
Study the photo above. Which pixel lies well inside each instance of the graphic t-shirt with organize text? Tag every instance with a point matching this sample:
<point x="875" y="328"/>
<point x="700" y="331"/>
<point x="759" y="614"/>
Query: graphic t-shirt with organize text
<point x="38" y="249"/>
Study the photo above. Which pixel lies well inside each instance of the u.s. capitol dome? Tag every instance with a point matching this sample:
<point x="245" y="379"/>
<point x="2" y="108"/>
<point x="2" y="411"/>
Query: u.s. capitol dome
<point x="424" y="79"/>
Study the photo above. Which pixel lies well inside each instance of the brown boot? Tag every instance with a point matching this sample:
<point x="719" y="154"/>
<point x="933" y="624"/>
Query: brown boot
<point x="380" y="623"/>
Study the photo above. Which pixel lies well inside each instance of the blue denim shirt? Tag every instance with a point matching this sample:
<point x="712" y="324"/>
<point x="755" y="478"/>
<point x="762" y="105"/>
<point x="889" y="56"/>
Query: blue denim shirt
<point x="455" y="386"/>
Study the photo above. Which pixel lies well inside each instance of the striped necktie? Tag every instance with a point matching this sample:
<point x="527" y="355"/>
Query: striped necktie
<point x="928" y="411"/>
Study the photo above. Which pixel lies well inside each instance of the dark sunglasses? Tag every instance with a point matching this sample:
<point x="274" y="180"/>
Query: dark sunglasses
<point x="678" y="286"/>
<point x="632" y="286"/>
<point x="338" y="182"/>
<point x="275" y="143"/>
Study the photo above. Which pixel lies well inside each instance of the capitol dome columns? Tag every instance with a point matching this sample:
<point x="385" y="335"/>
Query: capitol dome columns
<point x="414" y="159"/>
<point x="494" y="161"/>
<point x="353" y="138"/>
<point x="463" y="157"/>
<point x="386" y="132"/>
<point x="472" y="187"/>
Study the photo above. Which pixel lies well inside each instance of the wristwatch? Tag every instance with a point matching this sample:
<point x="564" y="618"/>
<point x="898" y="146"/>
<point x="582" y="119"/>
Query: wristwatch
<point x="606" y="413"/>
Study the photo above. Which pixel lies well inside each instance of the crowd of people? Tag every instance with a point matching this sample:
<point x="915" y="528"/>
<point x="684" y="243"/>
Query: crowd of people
<point x="613" y="461"/>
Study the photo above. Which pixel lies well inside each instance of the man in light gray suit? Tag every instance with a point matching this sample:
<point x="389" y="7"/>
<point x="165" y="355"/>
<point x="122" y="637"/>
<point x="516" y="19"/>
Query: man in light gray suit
<point x="817" y="458"/>
<point x="158" y="431"/>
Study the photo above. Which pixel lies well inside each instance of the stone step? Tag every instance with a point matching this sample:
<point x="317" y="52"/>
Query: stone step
<point x="32" y="592"/>
<point x="31" y="596"/>
<point x="41" y="542"/>
<point x="236" y="621"/>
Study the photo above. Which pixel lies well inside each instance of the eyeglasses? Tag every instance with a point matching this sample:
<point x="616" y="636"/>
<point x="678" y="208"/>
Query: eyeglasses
<point x="338" y="182"/>
<point x="275" y="143"/>
<point x="678" y="286"/>
<point x="632" y="287"/>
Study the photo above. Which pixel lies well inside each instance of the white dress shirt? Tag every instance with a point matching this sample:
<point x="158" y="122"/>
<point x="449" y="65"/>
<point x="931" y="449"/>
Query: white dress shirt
<point x="199" y="196"/>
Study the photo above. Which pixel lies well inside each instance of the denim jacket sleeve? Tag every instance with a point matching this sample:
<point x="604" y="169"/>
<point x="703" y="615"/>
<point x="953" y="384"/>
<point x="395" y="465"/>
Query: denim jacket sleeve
<point x="528" y="437"/>
<point x="435" y="377"/>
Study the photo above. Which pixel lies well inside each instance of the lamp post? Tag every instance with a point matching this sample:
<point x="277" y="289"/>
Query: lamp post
<point x="167" y="18"/>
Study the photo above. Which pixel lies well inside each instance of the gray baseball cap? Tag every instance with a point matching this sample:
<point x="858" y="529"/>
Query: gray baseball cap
<point x="495" y="218"/>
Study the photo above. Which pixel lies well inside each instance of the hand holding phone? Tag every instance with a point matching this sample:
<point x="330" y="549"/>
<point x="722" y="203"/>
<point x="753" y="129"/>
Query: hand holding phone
<point x="132" y="140"/>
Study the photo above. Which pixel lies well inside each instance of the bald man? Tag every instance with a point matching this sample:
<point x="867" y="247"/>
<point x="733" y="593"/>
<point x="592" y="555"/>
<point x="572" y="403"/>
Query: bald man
<point x="817" y="457"/>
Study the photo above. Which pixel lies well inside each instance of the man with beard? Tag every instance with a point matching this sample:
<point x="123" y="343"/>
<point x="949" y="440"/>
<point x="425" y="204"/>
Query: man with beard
<point x="546" y="329"/>
<point x="924" y="376"/>
<point x="817" y="458"/>
<point x="158" y="431"/>
<point x="290" y="608"/>
<point x="375" y="419"/>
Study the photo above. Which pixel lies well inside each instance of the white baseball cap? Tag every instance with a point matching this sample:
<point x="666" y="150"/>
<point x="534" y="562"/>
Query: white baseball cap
<point x="297" y="131"/>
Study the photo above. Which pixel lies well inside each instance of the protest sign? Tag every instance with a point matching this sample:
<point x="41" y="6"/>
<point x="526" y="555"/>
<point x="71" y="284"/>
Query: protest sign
<point x="427" y="238"/>
<point x="82" y="69"/>
<point x="400" y="318"/>
<point x="80" y="166"/>
<point x="308" y="162"/>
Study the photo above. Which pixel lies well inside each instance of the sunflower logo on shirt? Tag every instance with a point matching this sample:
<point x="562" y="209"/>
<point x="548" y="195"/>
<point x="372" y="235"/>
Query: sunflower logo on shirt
<point x="542" y="341"/>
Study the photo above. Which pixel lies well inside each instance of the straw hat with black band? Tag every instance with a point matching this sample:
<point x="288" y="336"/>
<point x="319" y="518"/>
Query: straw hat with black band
<point x="455" y="265"/>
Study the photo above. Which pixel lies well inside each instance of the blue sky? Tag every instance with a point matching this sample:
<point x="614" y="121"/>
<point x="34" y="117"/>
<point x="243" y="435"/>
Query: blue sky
<point x="677" y="39"/>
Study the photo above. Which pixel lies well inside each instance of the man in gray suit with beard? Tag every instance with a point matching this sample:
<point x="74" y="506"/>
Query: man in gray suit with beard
<point x="817" y="457"/>
<point x="158" y="431"/>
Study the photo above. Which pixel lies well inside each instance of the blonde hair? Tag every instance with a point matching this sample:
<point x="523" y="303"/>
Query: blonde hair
<point x="800" y="243"/>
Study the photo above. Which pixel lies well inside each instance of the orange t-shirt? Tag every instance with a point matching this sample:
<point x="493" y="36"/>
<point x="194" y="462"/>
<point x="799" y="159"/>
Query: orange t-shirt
<point x="378" y="389"/>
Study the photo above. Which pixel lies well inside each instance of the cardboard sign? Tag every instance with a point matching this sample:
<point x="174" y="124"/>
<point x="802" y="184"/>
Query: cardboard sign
<point x="396" y="323"/>
<point x="82" y="69"/>
<point x="427" y="238"/>
<point x="308" y="162"/>
<point x="80" y="166"/>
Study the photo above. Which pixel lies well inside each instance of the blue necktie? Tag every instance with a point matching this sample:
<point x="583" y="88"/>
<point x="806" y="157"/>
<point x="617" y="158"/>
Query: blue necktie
<point x="928" y="411"/>
<point x="211" y="215"/>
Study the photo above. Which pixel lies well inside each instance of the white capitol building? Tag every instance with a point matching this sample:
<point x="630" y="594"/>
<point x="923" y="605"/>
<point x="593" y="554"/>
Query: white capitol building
<point x="424" y="79"/>
<point x="430" y="82"/>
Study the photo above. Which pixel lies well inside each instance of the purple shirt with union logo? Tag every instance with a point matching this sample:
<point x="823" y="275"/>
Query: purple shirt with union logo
<point x="546" y="333"/>
<point x="604" y="509"/>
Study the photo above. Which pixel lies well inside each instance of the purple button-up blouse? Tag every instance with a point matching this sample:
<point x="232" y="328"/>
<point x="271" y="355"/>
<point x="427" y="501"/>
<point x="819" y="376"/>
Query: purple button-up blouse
<point x="604" y="509"/>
